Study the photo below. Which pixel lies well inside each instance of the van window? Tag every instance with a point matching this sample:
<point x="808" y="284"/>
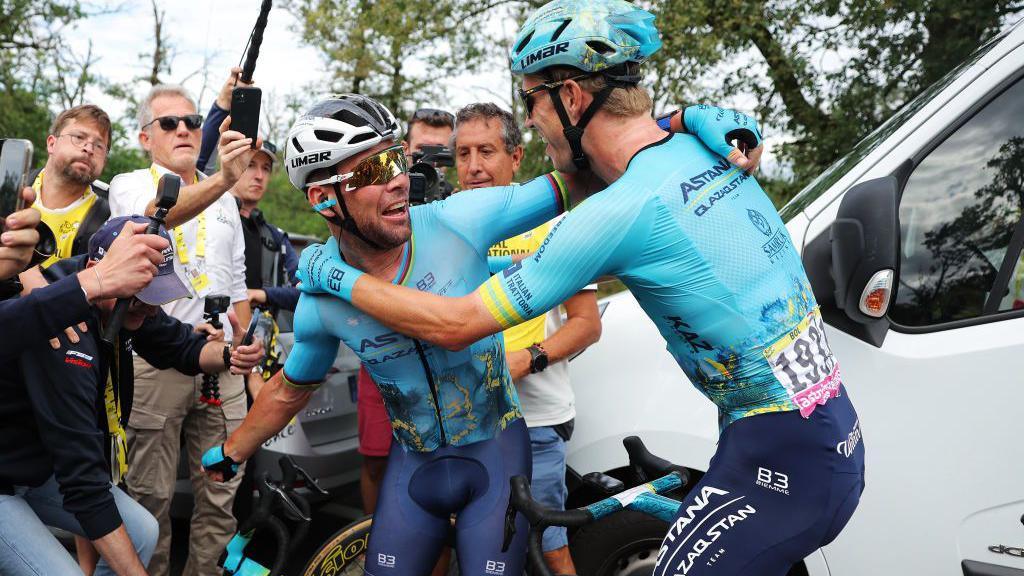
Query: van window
<point x="957" y="214"/>
<point x="840" y="167"/>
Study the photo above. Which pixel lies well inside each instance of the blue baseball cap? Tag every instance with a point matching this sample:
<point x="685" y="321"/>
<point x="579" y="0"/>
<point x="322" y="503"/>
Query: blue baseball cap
<point x="166" y="286"/>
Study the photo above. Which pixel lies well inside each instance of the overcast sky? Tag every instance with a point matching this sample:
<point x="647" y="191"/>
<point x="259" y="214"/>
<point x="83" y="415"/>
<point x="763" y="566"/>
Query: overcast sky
<point x="215" y="32"/>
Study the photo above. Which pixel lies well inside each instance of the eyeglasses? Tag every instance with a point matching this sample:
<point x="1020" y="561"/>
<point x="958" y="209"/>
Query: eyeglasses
<point x="169" y="123"/>
<point x="526" y="95"/>
<point x="82" y="141"/>
<point x="380" y="168"/>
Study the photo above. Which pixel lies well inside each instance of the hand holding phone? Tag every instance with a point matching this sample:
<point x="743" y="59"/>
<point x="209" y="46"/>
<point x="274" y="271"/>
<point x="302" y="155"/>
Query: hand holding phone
<point x="245" y="111"/>
<point x="250" y="333"/>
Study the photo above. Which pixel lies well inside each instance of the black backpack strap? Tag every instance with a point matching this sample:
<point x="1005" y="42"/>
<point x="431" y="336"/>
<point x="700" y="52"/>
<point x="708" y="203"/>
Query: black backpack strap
<point x="98" y="214"/>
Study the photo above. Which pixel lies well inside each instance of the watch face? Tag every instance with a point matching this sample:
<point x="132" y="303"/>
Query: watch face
<point x="540" y="362"/>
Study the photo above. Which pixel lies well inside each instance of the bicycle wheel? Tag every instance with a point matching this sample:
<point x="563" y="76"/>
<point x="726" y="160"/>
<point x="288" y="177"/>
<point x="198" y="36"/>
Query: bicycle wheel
<point x="343" y="553"/>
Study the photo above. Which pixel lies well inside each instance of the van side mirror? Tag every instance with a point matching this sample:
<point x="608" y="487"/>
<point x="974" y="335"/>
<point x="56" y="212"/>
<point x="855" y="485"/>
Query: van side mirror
<point x="865" y="238"/>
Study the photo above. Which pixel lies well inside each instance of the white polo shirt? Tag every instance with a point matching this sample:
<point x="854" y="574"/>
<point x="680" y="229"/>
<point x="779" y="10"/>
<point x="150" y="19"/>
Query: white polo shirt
<point x="223" y="263"/>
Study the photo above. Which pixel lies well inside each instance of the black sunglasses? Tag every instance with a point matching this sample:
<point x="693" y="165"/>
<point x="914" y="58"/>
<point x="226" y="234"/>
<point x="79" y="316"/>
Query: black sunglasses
<point x="169" y="123"/>
<point x="526" y="95"/>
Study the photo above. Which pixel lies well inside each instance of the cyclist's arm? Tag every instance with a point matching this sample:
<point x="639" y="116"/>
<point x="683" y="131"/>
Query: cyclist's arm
<point x="290" y="389"/>
<point x="585" y="245"/>
<point x="486" y="215"/>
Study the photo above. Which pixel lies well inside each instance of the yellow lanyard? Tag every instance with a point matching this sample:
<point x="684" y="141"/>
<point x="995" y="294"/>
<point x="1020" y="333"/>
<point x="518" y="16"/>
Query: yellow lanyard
<point x="118" y="439"/>
<point x="198" y="279"/>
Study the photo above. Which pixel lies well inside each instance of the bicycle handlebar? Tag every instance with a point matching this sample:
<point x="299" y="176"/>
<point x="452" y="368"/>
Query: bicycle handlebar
<point x="646" y="497"/>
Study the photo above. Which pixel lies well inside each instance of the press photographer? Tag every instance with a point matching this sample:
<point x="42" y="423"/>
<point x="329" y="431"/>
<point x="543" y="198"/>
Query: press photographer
<point x="58" y="445"/>
<point x="426" y="147"/>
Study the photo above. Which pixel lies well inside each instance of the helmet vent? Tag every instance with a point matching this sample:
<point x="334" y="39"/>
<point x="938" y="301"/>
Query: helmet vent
<point x="600" y="47"/>
<point x="327" y="135"/>
<point x="298" y="147"/>
<point x="561" y="28"/>
<point x="350" y="118"/>
<point x="371" y="110"/>
<point x="362" y="138"/>
<point x="525" y="41"/>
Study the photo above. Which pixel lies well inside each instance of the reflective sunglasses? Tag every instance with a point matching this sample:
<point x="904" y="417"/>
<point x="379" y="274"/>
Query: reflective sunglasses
<point x="527" y="95"/>
<point x="434" y="115"/>
<point x="381" y="168"/>
<point x="169" y="123"/>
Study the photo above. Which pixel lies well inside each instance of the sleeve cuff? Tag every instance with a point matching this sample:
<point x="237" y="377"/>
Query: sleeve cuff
<point x="101" y="522"/>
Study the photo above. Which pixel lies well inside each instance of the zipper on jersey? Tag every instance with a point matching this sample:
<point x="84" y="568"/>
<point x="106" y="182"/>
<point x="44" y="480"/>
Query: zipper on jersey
<point x="433" y="389"/>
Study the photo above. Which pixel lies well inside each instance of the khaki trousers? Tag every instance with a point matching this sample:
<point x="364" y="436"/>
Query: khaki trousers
<point x="166" y="403"/>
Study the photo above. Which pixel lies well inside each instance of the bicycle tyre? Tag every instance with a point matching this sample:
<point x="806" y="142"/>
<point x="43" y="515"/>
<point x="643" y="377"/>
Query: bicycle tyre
<point x="343" y="553"/>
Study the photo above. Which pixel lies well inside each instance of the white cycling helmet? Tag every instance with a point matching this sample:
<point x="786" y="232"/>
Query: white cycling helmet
<point x="334" y="129"/>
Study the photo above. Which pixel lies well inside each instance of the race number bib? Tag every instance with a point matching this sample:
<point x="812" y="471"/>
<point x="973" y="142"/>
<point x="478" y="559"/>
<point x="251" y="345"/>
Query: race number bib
<point x="804" y="364"/>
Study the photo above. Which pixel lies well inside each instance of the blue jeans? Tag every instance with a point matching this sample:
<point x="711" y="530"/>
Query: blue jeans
<point x="548" y="483"/>
<point x="27" y="548"/>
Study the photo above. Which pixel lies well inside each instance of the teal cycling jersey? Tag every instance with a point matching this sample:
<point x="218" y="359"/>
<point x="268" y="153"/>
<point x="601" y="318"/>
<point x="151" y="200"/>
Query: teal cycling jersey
<point x="434" y="397"/>
<point x="706" y="255"/>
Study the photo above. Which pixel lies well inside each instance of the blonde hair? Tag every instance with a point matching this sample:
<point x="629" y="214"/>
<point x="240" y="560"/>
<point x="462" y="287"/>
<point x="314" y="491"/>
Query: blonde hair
<point x="625" y="102"/>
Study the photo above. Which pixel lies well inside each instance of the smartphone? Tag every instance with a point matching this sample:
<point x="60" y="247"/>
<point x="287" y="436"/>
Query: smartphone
<point x="252" y="328"/>
<point x="245" y="111"/>
<point x="15" y="163"/>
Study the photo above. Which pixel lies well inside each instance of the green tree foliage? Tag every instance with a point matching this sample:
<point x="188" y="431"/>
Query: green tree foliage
<point x="826" y="72"/>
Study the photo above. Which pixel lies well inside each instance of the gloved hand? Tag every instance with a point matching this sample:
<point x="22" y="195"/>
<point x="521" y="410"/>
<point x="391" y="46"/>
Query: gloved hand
<point x="322" y="270"/>
<point x="717" y="128"/>
<point x="217" y="464"/>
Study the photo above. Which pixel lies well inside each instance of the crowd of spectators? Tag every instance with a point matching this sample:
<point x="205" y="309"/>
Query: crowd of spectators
<point x="94" y="428"/>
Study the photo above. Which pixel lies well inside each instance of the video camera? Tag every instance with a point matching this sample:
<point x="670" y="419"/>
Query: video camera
<point x="213" y="307"/>
<point x="426" y="181"/>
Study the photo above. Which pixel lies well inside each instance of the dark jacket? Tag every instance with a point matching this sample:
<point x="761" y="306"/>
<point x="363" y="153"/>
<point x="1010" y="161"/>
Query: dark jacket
<point x="53" y="420"/>
<point x="41" y="315"/>
<point x="270" y="262"/>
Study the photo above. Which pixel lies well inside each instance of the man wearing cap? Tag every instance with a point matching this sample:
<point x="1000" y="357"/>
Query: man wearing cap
<point x="209" y="254"/>
<point x="71" y="448"/>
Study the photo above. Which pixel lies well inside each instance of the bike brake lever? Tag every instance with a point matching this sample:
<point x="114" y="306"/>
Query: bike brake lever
<point x="289" y="507"/>
<point x="310" y="482"/>
<point x="510" y="526"/>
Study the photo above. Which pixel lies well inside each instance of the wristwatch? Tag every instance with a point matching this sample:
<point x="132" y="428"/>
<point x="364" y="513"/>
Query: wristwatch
<point x="538" y="358"/>
<point x="227" y="357"/>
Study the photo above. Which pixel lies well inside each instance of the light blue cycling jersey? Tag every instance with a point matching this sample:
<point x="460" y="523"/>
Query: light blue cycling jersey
<point x="708" y="258"/>
<point x="434" y="397"/>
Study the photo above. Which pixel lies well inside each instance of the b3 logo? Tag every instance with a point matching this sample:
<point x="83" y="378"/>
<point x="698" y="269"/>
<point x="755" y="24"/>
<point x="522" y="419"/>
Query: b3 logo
<point x="776" y="481"/>
<point x="385" y="560"/>
<point x="496" y="568"/>
<point x="334" y="279"/>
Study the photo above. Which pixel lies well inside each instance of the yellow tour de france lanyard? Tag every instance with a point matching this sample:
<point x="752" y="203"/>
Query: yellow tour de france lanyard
<point x="118" y="439"/>
<point x="199" y="280"/>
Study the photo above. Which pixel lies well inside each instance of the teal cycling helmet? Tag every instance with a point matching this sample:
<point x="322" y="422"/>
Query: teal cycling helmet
<point x="592" y="35"/>
<point x="608" y="38"/>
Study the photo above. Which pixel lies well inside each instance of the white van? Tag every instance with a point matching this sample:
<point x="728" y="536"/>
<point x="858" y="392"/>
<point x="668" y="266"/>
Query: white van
<point x="912" y="243"/>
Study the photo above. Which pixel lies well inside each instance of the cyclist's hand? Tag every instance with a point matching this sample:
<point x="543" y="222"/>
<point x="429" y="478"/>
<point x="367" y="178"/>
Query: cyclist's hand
<point x="718" y="127"/>
<point x="321" y="270"/>
<point x="217" y="466"/>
